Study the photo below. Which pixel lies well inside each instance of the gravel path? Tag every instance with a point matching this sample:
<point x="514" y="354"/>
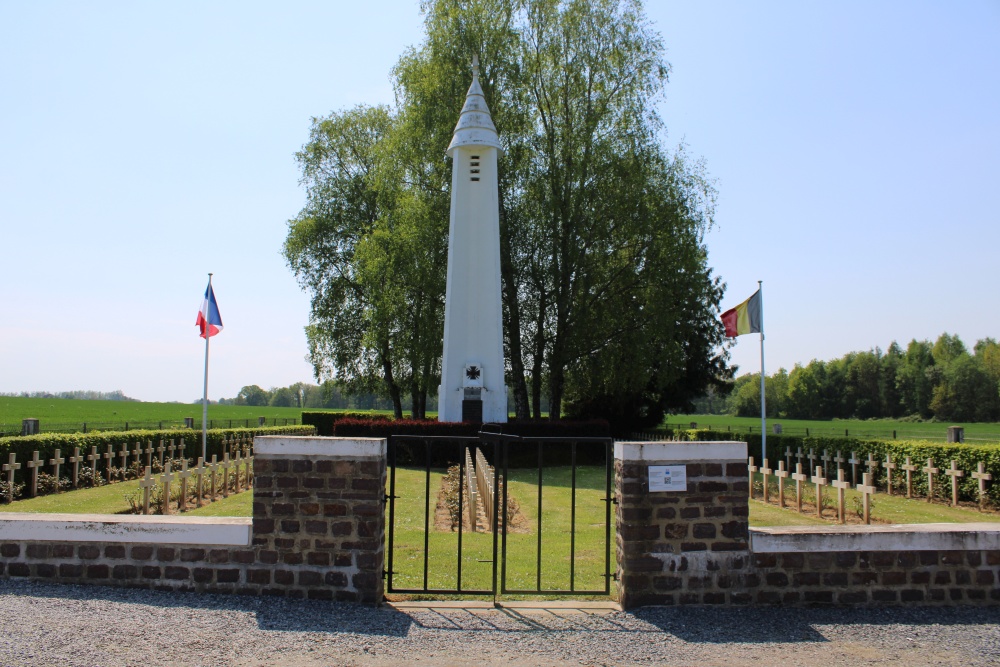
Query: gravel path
<point x="47" y="624"/>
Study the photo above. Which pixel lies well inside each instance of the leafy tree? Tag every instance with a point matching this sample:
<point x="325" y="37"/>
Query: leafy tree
<point x="358" y="249"/>
<point x="807" y="388"/>
<point x="775" y="390"/>
<point x="966" y="392"/>
<point x="282" y="398"/>
<point x="914" y="383"/>
<point x="890" y="398"/>
<point x="862" y="389"/>
<point x="947" y="348"/>
<point x="987" y="352"/>
<point x="609" y="305"/>
<point x="252" y="395"/>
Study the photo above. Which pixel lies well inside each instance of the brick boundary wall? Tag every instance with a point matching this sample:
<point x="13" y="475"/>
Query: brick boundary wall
<point x="695" y="547"/>
<point x="877" y="565"/>
<point x="317" y="532"/>
<point x="682" y="547"/>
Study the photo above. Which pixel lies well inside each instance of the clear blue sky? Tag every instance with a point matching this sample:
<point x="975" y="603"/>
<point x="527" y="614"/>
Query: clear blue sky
<point x="856" y="147"/>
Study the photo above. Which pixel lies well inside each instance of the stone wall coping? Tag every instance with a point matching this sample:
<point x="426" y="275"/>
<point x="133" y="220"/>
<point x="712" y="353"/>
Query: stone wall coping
<point x="680" y="452"/>
<point x="291" y="446"/>
<point x="133" y="529"/>
<point x="895" y="537"/>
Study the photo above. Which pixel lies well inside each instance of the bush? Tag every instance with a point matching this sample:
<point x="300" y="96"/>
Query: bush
<point x="5" y="490"/>
<point x="325" y="422"/>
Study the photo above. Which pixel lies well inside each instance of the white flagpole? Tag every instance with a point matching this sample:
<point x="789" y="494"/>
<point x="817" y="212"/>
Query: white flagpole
<point x="204" y="400"/>
<point x="763" y="409"/>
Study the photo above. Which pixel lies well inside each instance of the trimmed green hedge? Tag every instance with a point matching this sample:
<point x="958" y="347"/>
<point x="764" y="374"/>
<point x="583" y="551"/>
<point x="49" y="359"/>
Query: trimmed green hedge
<point x="46" y="443"/>
<point x="326" y="422"/>
<point x="966" y="457"/>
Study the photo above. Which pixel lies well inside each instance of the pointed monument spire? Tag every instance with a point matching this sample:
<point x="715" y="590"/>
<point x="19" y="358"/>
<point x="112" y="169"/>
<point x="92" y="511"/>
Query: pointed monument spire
<point x="475" y="125"/>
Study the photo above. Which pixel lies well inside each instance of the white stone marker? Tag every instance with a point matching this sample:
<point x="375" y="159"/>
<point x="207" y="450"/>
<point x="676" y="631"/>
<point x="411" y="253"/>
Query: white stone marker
<point x="982" y="476"/>
<point x="889" y="467"/>
<point x="820" y="481"/>
<point x="799" y="478"/>
<point x="930" y="470"/>
<point x="55" y="462"/>
<point x="472" y="365"/>
<point x="781" y="474"/>
<point x="954" y="473"/>
<point x="841" y="484"/>
<point x="910" y="468"/>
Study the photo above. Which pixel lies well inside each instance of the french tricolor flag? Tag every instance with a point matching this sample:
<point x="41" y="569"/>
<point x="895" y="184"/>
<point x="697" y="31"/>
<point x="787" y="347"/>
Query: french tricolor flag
<point x="208" y="317"/>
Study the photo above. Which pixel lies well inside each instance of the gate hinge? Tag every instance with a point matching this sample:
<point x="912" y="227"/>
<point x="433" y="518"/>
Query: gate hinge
<point x="387" y="498"/>
<point x="386" y="573"/>
<point x="613" y="576"/>
<point x="614" y="501"/>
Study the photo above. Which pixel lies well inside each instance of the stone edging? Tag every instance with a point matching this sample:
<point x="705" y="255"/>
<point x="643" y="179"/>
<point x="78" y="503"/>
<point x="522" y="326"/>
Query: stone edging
<point x="679" y="452"/>
<point x="308" y="447"/>
<point x="215" y="531"/>
<point x="897" y="537"/>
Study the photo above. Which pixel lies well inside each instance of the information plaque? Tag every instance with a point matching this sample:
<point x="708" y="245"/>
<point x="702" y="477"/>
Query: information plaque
<point x="667" y="478"/>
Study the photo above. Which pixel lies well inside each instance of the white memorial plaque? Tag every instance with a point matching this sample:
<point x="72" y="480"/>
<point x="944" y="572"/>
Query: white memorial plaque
<point x="668" y="478"/>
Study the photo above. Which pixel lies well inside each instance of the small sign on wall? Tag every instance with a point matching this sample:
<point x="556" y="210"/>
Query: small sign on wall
<point x="667" y="478"/>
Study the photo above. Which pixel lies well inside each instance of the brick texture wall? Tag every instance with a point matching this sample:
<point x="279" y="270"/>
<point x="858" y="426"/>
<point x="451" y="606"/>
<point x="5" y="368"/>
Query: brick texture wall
<point x="682" y="547"/>
<point x="317" y="532"/>
<point x="319" y="525"/>
<point x="694" y="546"/>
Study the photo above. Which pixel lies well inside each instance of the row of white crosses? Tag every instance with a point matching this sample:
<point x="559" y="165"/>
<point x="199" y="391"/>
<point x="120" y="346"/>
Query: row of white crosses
<point x="867" y="487"/>
<point x="889" y="465"/>
<point x="227" y="471"/>
<point x="92" y="459"/>
<point x="166" y="450"/>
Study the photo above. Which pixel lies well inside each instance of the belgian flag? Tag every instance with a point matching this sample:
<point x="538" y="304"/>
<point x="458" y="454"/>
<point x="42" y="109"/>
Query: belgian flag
<point x="745" y="318"/>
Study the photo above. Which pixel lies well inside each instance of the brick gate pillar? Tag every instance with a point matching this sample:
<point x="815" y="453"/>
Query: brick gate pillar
<point x="687" y="543"/>
<point x="318" y="519"/>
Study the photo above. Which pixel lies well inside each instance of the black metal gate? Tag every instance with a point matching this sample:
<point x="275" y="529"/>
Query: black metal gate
<point x="559" y="545"/>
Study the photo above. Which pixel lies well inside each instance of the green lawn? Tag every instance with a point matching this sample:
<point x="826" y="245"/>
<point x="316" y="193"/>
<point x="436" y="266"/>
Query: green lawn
<point x="110" y="499"/>
<point x="876" y="428"/>
<point x="522" y="547"/>
<point x="884" y="508"/>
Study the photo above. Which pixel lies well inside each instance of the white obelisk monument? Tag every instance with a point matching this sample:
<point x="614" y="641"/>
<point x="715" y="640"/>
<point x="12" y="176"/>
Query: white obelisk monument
<point x="472" y="367"/>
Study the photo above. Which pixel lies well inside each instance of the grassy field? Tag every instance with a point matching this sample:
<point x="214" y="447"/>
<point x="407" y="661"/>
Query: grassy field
<point x="522" y="570"/>
<point x="877" y="428"/>
<point x="884" y="508"/>
<point x="112" y="415"/>
<point x="110" y="499"/>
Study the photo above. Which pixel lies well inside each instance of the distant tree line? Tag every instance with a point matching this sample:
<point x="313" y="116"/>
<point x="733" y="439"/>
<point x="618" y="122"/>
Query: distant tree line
<point x="304" y="395"/>
<point x="117" y="395"/>
<point x="942" y="380"/>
